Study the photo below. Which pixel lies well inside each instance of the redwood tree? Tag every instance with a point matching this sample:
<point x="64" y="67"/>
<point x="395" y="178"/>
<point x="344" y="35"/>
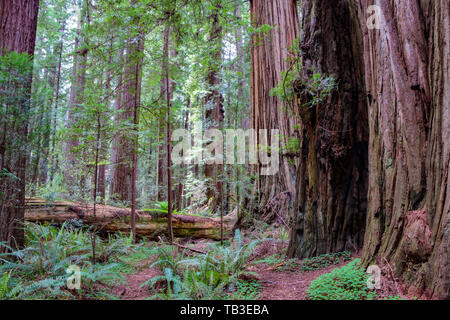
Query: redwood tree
<point x="408" y="82"/>
<point x="269" y="54"/>
<point x="331" y="197"/>
<point x="18" y="23"/>
<point x="406" y="79"/>
<point x="125" y="143"/>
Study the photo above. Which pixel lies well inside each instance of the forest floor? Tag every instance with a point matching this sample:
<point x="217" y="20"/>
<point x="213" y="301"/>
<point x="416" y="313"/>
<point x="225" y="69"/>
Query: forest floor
<point x="276" y="283"/>
<point x="288" y="285"/>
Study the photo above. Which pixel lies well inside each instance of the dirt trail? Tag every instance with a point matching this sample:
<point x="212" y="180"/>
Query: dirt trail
<point x="277" y="285"/>
<point x="284" y="285"/>
<point x="131" y="289"/>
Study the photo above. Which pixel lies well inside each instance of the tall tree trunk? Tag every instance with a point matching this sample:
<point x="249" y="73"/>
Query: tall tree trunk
<point x="54" y="158"/>
<point x="18" y="23"/>
<point x="408" y="80"/>
<point x="101" y="183"/>
<point x="332" y="177"/>
<point x="125" y="145"/>
<point x="115" y="142"/>
<point x="214" y="111"/>
<point x="162" y="150"/>
<point x="166" y="72"/>
<point x="269" y="54"/>
<point x="168" y="51"/>
<point x="180" y="191"/>
<point x="76" y="98"/>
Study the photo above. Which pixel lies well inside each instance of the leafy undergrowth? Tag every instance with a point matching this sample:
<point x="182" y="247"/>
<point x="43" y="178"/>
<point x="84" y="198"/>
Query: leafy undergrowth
<point x="247" y="290"/>
<point x="346" y="283"/>
<point x="279" y="262"/>
<point x="42" y="269"/>
<point x="219" y="274"/>
<point x="162" y="210"/>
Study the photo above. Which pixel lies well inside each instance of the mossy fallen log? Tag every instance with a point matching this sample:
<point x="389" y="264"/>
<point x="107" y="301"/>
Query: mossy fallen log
<point x="114" y="219"/>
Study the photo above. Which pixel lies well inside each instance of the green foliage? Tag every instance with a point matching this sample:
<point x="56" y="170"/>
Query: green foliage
<point x="6" y="292"/>
<point x="393" y="298"/>
<point x="346" y="283"/>
<point x="15" y="82"/>
<point x="325" y="260"/>
<point x="40" y="268"/>
<point x="259" y="33"/>
<point x="285" y="90"/>
<point x="309" y="91"/>
<point x="135" y="260"/>
<point x="247" y="290"/>
<point x="318" y="88"/>
<point x="315" y="263"/>
<point x="162" y="209"/>
<point x="168" y="257"/>
<point x="204" y="276"/>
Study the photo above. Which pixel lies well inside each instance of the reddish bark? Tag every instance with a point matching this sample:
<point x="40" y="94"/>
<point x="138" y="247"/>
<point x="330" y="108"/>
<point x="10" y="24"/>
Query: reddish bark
<point x="332" y="177"/>
<point x="407" y="77"/>
<point x="269" y="54"/>
<point x="18" y="23"/>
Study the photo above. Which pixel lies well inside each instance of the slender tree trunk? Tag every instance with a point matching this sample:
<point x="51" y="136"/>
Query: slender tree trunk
<point x="116" y="143"/>
<point x="408" y="82"/>
<point x="101" y="183"/>
<point x="269" y="54"/>
<point x="18" y="23"/>
<point x="161" y="178"/>
<point x="38" y="126"/>
<point x="166" y="91"/>
<point x="180" y="191"/>
<point x="76" y="99"/>
<point x="54" y="158"/>
<point x="165" y="67"/>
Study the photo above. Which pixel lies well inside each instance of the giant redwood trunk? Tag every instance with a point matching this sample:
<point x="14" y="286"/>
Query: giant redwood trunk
<point x="407" y="78"/>
<point x="18" y="23"/>
<point x="269" y="54"/>
<point x="332" y="177"/>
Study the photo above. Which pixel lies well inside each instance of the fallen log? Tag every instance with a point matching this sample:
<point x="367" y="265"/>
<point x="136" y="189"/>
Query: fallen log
<point x="113" y="219"/>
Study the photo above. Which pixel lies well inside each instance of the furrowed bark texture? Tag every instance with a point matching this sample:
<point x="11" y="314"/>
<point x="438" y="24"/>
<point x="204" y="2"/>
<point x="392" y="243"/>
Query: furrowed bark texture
<point x="18" y="23"/>
<point x="407" y="76"/>
<point x="167" y="52"/>
<point x="269" y="55"/>
<point x="332" y="176"/>
<point x="125" y="144"/>
<point x="214" y="110"/>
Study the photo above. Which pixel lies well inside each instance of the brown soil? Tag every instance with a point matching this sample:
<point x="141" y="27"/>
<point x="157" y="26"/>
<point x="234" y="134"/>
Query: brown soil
<point x="277" y="285"/>
<point x="285" y="285"/>
<point x="131" y="290"/>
